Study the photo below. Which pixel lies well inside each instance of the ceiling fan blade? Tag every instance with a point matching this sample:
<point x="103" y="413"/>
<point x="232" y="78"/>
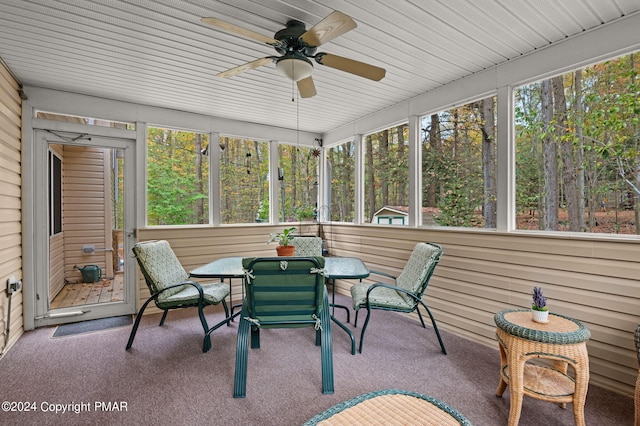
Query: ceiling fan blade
<point x="246" y="67"/>
<point x="351" y="66"/>
<point x="306" y="87"/>
<point x="333" y="25"/>
<point x="234" y="29"/>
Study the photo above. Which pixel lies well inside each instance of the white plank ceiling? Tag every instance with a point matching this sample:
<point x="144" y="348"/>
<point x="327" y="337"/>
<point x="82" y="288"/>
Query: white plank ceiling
<point x="157" y="52"/>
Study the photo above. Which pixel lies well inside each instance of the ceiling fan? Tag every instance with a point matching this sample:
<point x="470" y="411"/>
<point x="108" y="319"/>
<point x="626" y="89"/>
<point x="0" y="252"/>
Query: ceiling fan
<point x="297" y="46"/>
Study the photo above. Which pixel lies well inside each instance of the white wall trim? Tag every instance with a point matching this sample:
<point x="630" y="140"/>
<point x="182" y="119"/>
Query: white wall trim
<point x="95" y="107"/>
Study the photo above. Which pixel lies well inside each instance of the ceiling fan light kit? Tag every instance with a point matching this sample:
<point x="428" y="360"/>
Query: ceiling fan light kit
<point x="295" y="67"/>
<point x="297" y="45"/>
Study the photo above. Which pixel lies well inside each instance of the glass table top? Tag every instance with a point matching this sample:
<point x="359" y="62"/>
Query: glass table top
<point x="231" y="267"/>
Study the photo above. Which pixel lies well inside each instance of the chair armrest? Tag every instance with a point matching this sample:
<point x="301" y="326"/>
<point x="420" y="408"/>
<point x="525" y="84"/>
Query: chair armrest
<point x="384" y="274"/>
<point x="392" y="287"/>
<point x="193" y="283"/>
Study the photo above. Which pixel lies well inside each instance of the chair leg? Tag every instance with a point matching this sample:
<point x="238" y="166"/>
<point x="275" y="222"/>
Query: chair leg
<point x="206" y="342"/>
<point x="355" y="319"/>
<point x="242" y="354"/>
<point x="326" y="348"/>
<point x="435" y="327"/>
<point x="215" y="327"/>
<point x="164" y="317"/>
<point x="364" y="328"/>
<point x="420" y="316"/>
<point x="226" y="312"/>
<point x="255" y="337"/>
<point x="134" y="330"/>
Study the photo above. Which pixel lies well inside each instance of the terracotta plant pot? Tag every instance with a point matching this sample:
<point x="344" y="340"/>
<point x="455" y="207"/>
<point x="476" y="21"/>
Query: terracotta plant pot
<point x="286" y="250"/>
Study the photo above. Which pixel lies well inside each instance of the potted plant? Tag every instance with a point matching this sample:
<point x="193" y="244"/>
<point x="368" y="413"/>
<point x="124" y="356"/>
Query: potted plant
<point x="305" y="213"/>
<point x="539" y="309"/>
<point x="283" y="239"/>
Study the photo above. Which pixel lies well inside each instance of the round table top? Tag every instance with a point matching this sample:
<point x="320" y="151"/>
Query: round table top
<point x="560" y="330"/>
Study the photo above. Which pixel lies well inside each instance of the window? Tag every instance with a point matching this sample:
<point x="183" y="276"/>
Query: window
<point x="341" y="170"/>
<point x="177" y="177"/>
<point x="577" y="150"/>
<point x="85" y="120"/>
<point x="459" y="166"/>
<point x="244" y="180"/>
<point x="386" y="170"/>
<point x="55" y="194"/>
<point x="298" y="179"/>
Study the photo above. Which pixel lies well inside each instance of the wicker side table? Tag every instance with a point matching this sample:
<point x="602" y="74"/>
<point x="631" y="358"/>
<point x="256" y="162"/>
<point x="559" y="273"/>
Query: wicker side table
<point x="562" y="340"/>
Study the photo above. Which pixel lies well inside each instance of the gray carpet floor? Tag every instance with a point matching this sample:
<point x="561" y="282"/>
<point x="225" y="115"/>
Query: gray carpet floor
<point x="167" y="379"/>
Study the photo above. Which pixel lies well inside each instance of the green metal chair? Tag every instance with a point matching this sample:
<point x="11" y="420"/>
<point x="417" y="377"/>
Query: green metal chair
<point x="406" y="294"/>
<point x="283" y="293"/>
<point x="171" y="288"/>
<point x="312" y="246"/>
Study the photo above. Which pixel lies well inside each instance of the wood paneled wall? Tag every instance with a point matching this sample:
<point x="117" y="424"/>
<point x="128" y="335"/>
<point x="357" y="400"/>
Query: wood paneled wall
<point x="594" y="280"/>
<point x="86" y="215"/>
<point x="10" y="204"/>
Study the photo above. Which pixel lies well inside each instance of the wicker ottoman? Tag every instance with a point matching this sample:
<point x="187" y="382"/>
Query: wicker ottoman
<point x="389" y="408"/>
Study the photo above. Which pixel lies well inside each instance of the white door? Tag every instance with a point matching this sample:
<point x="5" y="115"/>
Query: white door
<point x="83" y="227"/>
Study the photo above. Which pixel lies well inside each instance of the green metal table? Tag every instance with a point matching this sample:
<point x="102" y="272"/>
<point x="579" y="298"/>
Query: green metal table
<point x="344" y="268"/>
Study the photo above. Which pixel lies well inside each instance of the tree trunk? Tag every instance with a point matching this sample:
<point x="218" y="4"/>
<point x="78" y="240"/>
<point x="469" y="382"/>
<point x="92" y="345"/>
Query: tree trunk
<point x="434" y="147"/>
<point x="636" y="137"/>
<point x="580" y="150"/>
<point x="294" y="180"/>
<point x="370" y="185"/>
<point x="569" y="177"/>
<point x="199" y="186"/>
<point x="224" y="144"/>
<point x="550" y="161"/>
<point x="383" y="143"/>
<point x="346" y="176"/>
<point x="488" y="162"/>
<point x="259" y="176"/>
<point x="402" y="194"/>
<point x="456" y="128"/>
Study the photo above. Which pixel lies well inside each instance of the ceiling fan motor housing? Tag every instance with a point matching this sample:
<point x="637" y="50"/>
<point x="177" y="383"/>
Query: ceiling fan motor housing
<point x="290" y="39"/>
